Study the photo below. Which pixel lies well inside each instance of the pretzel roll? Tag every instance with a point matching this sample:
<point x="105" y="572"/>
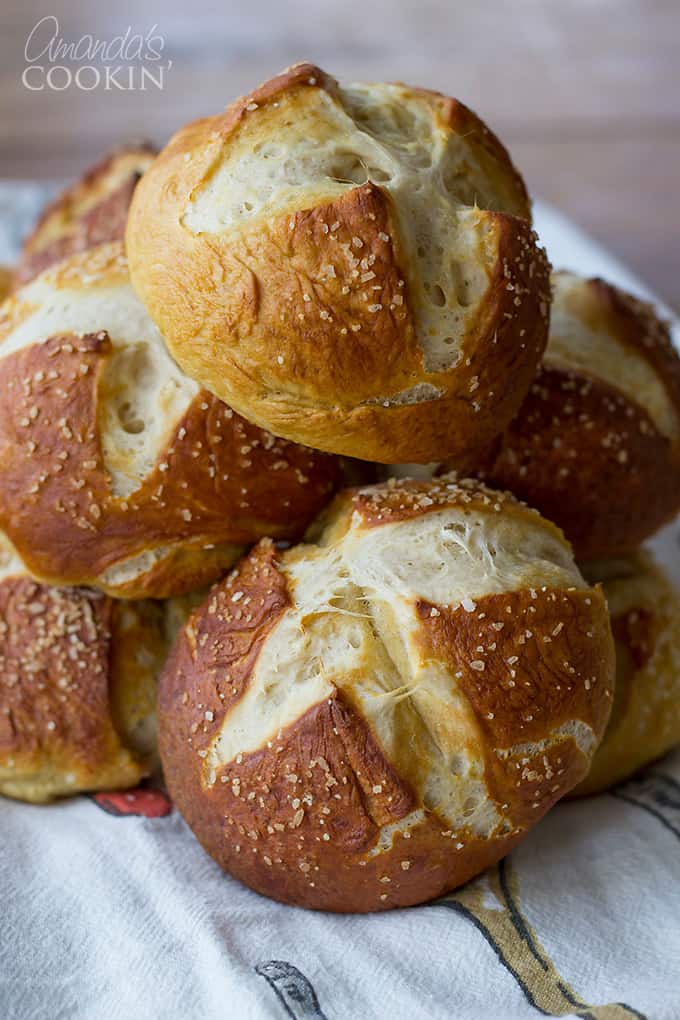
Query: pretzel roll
<point x="351" y="267"/>
<point x="78" y="677"/>
<point x="369" y="720"/>
<point x="596" y="445"/>
<point x="645" y="719"/>
<point x="118" y="471"/>
<point x="90" y="212"/>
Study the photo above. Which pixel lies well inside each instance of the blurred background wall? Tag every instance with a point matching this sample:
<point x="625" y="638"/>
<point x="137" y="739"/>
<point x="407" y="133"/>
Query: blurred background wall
<point x="585" y="93"/>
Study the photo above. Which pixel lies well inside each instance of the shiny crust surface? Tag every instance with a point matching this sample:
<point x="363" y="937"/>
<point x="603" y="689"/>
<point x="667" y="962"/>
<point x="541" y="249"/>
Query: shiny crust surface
<point x="55" y="720"/>
<point x="585" y="449"/>
<point x="304" y="321"/>
<point x="321" y="814"/>
<point x="214" y="483"/>
<point x="590" y="460"/>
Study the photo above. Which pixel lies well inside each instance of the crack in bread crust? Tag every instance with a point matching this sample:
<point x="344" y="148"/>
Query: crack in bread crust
<point x="344" y="742"/>
<point x="118" y="470"/>
<point x="382" y="227"/>
<point x="595" y="446"/>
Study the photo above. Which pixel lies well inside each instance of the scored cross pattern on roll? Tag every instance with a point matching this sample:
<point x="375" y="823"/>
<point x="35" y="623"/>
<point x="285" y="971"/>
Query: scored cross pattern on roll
<point x="351" y="267"/>
<point x="118" y="471"/>
<point x="367" y="720"/>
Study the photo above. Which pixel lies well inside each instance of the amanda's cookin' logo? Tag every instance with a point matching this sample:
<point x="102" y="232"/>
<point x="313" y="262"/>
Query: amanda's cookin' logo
<point x="131" y="62"/>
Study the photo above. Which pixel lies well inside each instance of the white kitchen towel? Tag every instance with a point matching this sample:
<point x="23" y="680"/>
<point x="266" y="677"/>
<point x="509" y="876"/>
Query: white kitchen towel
<point x="109" y="910"/>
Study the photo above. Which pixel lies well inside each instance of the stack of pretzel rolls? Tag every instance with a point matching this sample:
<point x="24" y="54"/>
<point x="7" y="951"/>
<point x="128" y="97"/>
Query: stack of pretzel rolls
<point x="362" y="689"/>
<point x="125" y="485"/>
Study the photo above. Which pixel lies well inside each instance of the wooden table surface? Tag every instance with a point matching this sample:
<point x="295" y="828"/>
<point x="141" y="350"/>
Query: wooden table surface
<point x="585" y="93"/>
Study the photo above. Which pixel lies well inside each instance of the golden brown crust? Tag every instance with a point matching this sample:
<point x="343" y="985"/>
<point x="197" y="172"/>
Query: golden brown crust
<point x="299" y="75"/>
<point x="404" y="499"/>
<point x="227" y="656"/>
<point x="92" y="211"/>
<point x="527" y="673"/>
<point x="645" y="718"/>
<point x="383" y="348"/>
<point x="592" y="461"/>
<point x="635" y="324"/>
<point x="279" y="849"/>
<point x="211" y="484"/>
<point x="321" y="814"/>
<point x="57" y="734"/>
<point x="304" y="319"/>
<point x="78" y="680"/>
<point x="595" y="446"/>
<point x="63" y="703"/>
<point x="119" y="471"/>
<point x="328" y="761"/>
